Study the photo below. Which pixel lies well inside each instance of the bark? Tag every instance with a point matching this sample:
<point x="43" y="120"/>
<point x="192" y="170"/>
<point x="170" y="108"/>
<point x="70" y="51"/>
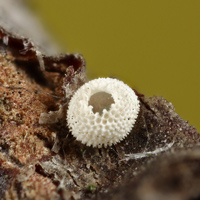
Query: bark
<point x="40" y="159"/>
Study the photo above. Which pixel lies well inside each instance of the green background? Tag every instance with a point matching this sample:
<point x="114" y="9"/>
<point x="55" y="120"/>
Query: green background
<point x="153" y="46"/>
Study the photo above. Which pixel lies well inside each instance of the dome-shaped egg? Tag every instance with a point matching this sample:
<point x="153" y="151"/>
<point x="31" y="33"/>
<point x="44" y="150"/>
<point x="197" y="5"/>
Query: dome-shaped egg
<point x="102" y="112"/>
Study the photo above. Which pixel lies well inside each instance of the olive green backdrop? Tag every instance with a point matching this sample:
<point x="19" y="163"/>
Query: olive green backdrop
<point x="153" y="46"/>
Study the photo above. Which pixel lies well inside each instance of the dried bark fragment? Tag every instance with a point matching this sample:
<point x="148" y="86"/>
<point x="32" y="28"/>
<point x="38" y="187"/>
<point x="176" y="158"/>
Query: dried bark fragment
<point x="26" y="91"/>
<point x="44" y="160"/>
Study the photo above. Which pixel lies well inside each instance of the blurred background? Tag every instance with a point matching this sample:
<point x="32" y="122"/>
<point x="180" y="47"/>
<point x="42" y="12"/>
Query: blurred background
<point x="153" y="46"/>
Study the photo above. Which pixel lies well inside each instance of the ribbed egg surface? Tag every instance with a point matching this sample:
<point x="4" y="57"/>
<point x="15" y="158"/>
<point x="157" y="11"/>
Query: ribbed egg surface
<point x="102" y="112"/>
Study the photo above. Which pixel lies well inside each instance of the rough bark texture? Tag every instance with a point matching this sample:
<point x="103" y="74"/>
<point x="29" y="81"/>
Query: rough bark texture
<point x="39" y="158"/>
<point x="172" y="176"/>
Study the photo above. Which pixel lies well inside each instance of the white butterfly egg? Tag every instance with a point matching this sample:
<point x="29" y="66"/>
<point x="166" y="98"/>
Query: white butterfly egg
<point x="102" y="112"/>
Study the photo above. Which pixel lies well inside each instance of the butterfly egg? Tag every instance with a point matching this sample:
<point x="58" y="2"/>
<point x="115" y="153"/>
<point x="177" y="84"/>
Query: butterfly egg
<point x="102" y="112"/>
